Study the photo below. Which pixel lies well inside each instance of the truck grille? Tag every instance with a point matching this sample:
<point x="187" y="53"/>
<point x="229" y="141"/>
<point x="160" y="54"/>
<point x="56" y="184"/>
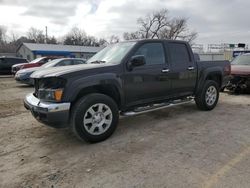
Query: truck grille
<point x="36" y="85"/>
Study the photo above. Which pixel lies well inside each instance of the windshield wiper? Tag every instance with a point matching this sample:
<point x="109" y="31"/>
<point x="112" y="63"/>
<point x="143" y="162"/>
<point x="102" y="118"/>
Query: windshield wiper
<point x="97" y="62"/>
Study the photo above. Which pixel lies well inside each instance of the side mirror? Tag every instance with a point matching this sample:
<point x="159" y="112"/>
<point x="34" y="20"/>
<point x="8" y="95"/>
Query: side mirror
<point x="136" y="61"/>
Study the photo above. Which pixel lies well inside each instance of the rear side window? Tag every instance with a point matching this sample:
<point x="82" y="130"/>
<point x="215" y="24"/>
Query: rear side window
<point x="64" y="63"/>
<point x="15" y="61"/>
<point x="153" y="53"/>
<point x="76" y="62"/>
<point x="11" y="60"/>
<point x="179" y="54"/>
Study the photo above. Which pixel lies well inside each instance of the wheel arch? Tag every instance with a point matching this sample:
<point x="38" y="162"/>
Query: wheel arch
<point x="215" y="74"/>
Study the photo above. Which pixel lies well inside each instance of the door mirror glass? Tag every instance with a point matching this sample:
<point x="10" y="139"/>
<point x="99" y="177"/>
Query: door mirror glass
<point x="136" y="61"/>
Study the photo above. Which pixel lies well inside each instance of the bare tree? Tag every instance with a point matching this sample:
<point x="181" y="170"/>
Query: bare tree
<point x="160" y="25"/>
<point x="103" y="42"/>
<point x="133" y="35"/>
<point x="51" y="40"/>
<point x="75" y="36"/>
<point x="36" y="35"/>
<point x="113" y="39"/>
<point x="3" y="31"/>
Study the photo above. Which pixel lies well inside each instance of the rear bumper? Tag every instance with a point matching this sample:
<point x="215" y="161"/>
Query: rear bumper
<point x="225" y="81"/>
<point x="52" y="114"/>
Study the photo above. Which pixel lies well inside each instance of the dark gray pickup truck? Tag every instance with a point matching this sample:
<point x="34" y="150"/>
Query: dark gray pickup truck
<point x="126" y="78"/>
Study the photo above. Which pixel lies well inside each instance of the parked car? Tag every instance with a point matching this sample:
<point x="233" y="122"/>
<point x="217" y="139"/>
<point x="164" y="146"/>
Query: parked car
<point x="7" y="62"/>
<point x="23" y="76"/>
<point x="240" y="74"/>
<point x="35" y="63"/>
<point x="127" y="78"/>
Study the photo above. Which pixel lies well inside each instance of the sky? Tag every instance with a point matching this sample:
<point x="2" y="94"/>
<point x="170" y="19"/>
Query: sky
<point x="216" y="21"/>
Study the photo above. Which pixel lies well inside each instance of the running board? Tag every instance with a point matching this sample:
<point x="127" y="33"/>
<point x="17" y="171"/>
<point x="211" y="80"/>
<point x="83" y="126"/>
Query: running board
<point x="154" y="107"/>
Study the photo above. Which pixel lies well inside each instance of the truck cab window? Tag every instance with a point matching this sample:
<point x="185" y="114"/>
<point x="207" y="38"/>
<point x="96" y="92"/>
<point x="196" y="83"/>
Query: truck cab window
<point x="153" y="53"/>
<point x="179" y="54"/>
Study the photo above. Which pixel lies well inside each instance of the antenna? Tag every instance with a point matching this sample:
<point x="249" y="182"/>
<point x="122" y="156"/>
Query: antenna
<point x="46" y="34"/>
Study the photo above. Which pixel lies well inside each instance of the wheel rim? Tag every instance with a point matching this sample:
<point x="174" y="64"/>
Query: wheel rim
<point x="211" y="95"/>
<point x="97" y="119"/>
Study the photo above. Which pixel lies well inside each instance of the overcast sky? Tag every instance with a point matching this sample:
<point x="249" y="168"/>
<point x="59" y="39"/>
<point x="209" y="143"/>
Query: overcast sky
<point x="216" y="21"/>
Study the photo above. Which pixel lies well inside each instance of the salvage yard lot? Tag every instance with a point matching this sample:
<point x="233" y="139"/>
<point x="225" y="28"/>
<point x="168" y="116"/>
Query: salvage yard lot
<point x="175" y="147"/>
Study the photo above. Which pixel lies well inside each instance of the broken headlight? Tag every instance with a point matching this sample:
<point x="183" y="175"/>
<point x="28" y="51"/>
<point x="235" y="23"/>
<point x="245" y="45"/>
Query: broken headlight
<point x="50" y="89"/>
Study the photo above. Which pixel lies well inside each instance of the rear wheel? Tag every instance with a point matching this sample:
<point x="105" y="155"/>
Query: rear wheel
<point x="94" y="118"/>
<point x="208" y="98"/>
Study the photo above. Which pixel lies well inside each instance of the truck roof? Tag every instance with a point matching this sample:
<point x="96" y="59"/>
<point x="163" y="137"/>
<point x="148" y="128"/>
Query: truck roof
<point x="145" y="40"/>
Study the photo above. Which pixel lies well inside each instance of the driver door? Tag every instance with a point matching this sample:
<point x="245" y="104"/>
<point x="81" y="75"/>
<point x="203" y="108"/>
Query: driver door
<point x="149" y="82"/>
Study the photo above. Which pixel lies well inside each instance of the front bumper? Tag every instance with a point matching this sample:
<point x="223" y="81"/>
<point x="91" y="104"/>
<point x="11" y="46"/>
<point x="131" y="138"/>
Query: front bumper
<point x="52" y="114"/>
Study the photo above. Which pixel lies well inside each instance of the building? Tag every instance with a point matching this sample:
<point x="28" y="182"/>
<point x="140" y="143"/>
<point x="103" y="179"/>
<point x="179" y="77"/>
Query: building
<point x="32" y="51"/>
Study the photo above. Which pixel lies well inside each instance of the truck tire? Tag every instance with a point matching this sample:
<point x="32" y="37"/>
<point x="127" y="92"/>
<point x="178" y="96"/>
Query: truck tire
<point x="94" y="117"/>
<point x="208" y="97"/>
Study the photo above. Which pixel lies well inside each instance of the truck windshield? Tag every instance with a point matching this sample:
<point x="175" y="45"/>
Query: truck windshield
<point x="51" y="63"/>
<point x="36" y="60"/>
<point x="112" y="53"/>
<point x="241" y="60"/>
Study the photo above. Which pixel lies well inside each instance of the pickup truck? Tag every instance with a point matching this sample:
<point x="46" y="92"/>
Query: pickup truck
<point x="126" y="78"/>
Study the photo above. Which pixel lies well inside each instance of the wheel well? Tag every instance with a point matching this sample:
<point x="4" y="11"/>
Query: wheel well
<point x="215" y="77"/>
<point x="106" y="89"/>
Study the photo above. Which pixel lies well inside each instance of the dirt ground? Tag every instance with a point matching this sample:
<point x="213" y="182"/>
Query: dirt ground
<point x="175" y="147"/>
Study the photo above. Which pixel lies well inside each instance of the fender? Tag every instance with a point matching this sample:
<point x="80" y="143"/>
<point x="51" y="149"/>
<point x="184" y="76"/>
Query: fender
<point x="208" y="72"/>
<point x="94" y="80"/>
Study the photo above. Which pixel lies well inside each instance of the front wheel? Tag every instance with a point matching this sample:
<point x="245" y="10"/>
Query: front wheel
<point x="208" y="98"/>
<point x="94" y="117"/>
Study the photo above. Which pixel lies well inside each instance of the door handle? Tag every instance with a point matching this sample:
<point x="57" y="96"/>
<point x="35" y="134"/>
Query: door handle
<point x="165" y="70"/>
<point x="190" y="68"/>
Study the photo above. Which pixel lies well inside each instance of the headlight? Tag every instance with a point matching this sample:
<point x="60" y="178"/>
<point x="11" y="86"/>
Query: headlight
<point x="50" y="94"/>
<point x="50" y="89"/>
<point x="18" y="75"/>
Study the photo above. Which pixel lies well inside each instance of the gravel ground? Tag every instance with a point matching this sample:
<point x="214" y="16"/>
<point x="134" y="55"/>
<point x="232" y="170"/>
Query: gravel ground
<point x="175" y="147"/>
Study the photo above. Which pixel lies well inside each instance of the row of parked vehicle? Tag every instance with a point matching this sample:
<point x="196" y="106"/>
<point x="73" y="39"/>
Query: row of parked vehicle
<point x="22" y="69"/>
<point x="23" y="74"/>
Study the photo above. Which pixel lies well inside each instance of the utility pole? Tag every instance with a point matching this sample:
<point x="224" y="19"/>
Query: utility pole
<point x="46" y="34"/>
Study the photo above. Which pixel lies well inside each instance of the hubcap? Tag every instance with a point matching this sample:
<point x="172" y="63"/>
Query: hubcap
<point x="211" y="95"/>
<point x="97" y="119"/>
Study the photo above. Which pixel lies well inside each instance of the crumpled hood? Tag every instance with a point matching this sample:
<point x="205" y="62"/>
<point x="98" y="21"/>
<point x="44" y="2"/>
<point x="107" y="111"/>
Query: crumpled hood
<point x="59" y="71"/>
<point x="240" y="69"/>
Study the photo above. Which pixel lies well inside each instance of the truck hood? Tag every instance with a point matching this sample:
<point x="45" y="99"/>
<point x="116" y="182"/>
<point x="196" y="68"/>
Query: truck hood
<point x="240" y="69"/>
<point x="60" y="71"/>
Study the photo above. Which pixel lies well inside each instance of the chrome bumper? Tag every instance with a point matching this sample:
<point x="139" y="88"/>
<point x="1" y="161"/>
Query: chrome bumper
<point x="52" y="114"/>
<point x="34" y="102"/>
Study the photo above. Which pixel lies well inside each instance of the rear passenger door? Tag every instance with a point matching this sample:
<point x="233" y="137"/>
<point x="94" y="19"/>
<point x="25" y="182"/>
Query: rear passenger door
<point x="8" y="63"/>
<point x="4" y="65"/>
<point x="183" y="69"/>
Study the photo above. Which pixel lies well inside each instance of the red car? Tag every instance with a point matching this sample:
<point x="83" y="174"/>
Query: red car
<point x="35" y="63"/>
<point x="240" y="74"/>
